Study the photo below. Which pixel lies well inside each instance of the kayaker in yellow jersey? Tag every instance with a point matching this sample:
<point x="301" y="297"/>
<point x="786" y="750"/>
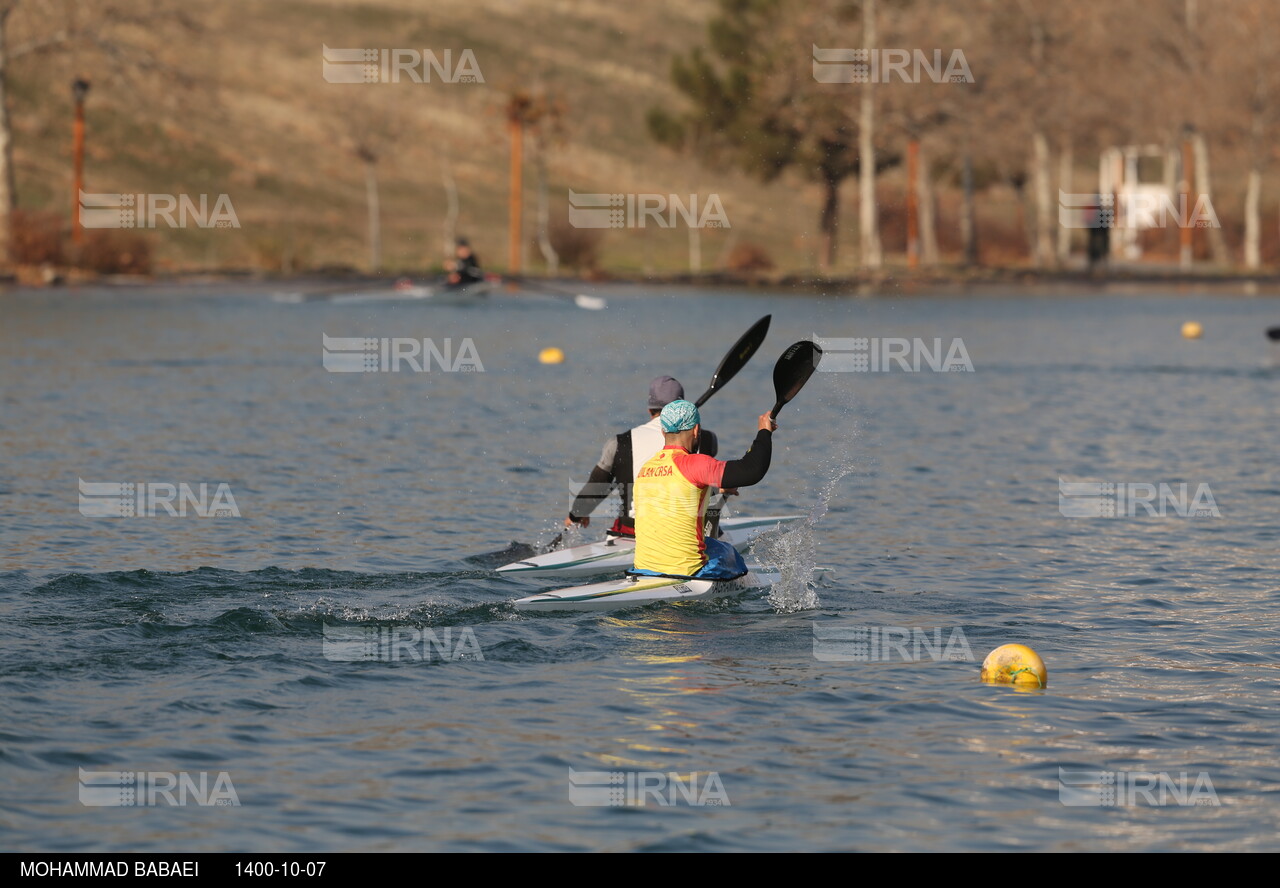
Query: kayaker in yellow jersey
<point x="670" y="498"/>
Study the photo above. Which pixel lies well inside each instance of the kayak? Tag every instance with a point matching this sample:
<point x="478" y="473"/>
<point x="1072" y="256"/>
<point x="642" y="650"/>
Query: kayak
<point x="639" y="591"/>
<point x="616" y="553"/>
<point x="463" y="295"/>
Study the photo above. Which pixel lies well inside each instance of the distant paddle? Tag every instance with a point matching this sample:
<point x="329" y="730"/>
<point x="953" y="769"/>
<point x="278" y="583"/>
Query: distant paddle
<point x="582" y="300"/>
<point x="737" y="358"/>
<point x="1273" y="333"/>
<point x="792" y="371"/>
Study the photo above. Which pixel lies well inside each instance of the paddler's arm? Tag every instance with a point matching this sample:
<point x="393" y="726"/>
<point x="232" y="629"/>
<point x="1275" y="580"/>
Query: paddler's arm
<point x="752" y="468"/>
<point x="598" y="487"/>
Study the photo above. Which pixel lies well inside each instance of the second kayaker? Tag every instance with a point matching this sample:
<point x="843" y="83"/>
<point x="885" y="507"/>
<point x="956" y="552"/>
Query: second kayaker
<point x="670" y="498"/>
<point x="624" y="454"/>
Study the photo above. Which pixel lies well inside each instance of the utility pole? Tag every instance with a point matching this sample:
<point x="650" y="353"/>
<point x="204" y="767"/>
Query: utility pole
<point x="515" y="206"/>
<point x="79" y="89"/>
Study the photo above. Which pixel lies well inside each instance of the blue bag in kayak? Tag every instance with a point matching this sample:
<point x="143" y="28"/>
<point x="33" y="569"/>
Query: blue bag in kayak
<point x="724" y="562"/>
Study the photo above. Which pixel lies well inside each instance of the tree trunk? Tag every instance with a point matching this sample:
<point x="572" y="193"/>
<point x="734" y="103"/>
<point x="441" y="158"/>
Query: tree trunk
<point x="928" y="216"/>
<point x="8" y="190"/>
<point x="1065" y="162"/>
<point x="829" y="222"/>
<point x="868" y="217"/>
<point x="375" y="226"/>
<point x="913" y="203"/>
<point x="549" y="255"/>
<point x="1026" y="216"/>
<point x="1252" y="226"/>
<point x="1217" y="243"/>
<point x="968" y="226"/>
<point x="1043" y="249"/>
<point x="1253" y="194"/>
<point x="451" y="215"/>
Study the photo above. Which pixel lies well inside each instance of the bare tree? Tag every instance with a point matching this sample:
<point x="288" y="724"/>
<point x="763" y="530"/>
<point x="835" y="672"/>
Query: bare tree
<point x="869" y="218"/>
<point x="370" y="160"/>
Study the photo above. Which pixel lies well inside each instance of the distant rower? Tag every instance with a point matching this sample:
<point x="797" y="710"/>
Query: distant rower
<point x="464" y="268"/>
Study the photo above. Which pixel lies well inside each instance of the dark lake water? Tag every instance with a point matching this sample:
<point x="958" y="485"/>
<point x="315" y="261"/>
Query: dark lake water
<point x="155" y="644"/>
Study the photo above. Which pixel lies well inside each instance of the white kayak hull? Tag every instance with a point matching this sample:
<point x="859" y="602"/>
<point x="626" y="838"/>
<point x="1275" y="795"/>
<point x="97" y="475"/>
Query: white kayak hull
<point x="440" y="295"/>
<point x="616" y="553"/>
<point x="640" y="591"/>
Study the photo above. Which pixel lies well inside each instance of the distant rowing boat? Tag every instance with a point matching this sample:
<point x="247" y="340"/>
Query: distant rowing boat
<point x="443" y="294"/>
<point x="436" y="294"/>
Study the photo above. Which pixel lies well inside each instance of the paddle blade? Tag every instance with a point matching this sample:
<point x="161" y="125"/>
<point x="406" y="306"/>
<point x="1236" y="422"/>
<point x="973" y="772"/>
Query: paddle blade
<point x="1273" y="333"/>
<point x="514" y="552"/>
<point x="793" y="370"/>
<point x="737" y="358"/>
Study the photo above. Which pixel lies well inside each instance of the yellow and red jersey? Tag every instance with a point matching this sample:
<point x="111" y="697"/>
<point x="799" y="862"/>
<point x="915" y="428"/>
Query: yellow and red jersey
<point x="670" y="502"/>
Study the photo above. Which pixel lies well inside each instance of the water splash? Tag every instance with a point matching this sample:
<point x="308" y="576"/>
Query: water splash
<point x="793" y="550"/>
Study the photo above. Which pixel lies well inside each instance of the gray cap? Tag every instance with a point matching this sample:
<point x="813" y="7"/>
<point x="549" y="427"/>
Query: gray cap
<point x="663" y="390"/>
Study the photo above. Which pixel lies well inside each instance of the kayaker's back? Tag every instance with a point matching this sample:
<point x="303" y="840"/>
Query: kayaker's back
<point x="669" y="509"/>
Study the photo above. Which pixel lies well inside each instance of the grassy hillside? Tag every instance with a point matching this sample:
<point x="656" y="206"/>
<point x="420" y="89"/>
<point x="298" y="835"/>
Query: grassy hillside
<point x="243" y="110"/>
<point x="233" y="101"/>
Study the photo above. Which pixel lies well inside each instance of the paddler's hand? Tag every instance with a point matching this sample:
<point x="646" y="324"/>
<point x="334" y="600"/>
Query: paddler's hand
<point x="581" y="522"/>
<point x="730" y="491"/>
<point x="766" y="423"/>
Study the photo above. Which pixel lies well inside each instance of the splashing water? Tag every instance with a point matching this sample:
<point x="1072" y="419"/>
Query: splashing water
<point x="793" y="550"/>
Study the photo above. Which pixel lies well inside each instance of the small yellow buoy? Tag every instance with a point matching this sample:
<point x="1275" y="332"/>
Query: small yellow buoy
<point x="551" y="355"/>
<point x="1192" y="330"/>
<point x="1014" y="664"/>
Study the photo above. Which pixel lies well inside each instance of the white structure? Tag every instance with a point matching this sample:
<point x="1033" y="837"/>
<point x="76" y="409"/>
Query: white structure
<point x="1139" y="178"/>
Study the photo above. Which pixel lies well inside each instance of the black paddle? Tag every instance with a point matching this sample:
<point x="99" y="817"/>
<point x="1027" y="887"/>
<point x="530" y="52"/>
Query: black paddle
<point x="792" y="371"/>
<point x="737" y="358"/>
<point x="1273" y="333"/>
<point x="789" y="376"/>
<point x="730" y="364"/>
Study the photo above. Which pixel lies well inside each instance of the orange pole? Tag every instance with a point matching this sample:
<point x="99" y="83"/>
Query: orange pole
<point x="1185" y="232"/>
<point x="77" y="154"/>
<point x="515" y="205"/>
<point x="913" y="208"/>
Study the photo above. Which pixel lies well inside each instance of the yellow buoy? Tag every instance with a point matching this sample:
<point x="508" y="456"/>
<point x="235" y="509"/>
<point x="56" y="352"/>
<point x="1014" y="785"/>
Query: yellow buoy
<point x="1014" y="664"/>
<point x="551" y="355"/>
<point x="1192" y="330"/>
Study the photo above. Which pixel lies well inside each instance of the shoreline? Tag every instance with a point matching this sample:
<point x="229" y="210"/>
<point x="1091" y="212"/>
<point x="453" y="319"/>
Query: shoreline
<point x="900" y="281"/>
